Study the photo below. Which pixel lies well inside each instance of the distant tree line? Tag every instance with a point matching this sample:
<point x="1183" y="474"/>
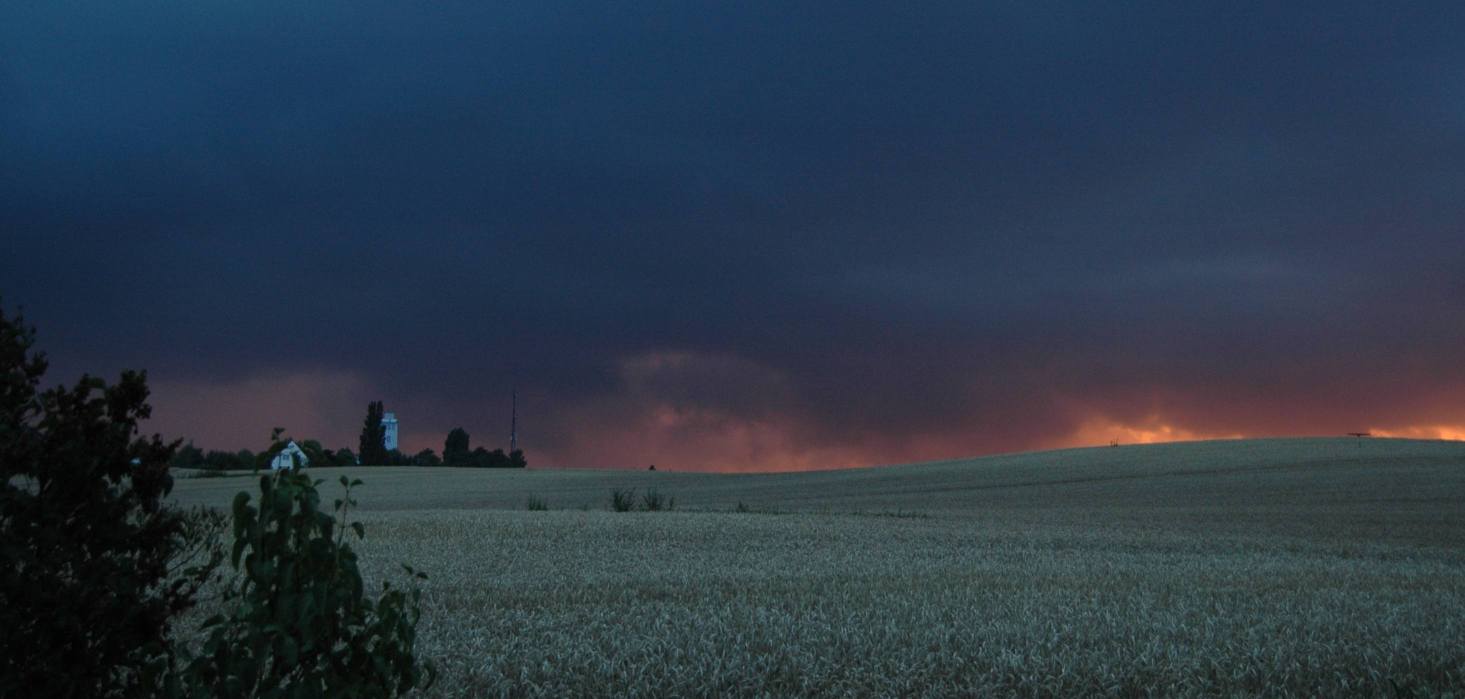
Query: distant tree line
<point x="191" y="456"/>
<point x="457" y="451"/>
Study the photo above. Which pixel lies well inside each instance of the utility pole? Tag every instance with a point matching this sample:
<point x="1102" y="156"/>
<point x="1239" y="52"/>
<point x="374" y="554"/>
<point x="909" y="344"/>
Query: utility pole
<point x="514" y="421"/>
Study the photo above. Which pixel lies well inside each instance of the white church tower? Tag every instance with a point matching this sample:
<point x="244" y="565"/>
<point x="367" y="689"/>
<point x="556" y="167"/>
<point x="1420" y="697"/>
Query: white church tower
<point x="389" y="431"/>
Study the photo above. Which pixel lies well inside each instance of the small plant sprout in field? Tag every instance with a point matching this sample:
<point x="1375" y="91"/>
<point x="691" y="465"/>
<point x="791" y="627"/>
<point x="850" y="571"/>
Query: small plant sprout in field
<point x="743" y="507"/>
<point x="622" y="500"/>
<point x="537" y="504"/>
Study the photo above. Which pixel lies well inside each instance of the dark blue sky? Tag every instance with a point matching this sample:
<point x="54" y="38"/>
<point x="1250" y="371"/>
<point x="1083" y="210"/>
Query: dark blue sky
<point x="767" y="235"/>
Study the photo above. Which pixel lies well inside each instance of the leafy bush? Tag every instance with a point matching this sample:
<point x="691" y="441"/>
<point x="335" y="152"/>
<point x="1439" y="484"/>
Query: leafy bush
<point x="300" y="623"/>
<point x="654" y="501"/>
<point x="622" y="500"/>
<point x="88" y="581"/>
<point x="537" y="504"/>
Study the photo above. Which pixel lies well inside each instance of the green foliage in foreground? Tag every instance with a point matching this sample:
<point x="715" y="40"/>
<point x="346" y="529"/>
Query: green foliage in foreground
<point x="301" y="624"/>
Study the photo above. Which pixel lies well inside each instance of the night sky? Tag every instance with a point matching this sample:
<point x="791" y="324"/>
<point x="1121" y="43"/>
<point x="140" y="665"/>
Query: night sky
<point x="745" y="235"/>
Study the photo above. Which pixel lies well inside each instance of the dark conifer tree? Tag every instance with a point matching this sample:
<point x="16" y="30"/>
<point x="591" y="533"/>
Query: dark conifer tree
<point x="371" y="450"/>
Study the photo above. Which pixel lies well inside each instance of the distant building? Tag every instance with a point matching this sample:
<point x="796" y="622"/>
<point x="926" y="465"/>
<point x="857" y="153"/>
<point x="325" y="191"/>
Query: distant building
<point x="389" y="431"/>
<point x="289" y="457"/>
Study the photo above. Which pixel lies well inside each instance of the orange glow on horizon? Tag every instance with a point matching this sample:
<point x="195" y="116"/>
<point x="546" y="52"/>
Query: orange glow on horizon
<point x="1449" y="432"/>
<point x="642" y="425"/>
<point x="1099" y="431"/>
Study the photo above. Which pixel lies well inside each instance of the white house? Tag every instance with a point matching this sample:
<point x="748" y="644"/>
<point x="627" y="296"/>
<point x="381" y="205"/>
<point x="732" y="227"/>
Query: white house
<point x="389" y="431"/>
<point x="288" y="457"/>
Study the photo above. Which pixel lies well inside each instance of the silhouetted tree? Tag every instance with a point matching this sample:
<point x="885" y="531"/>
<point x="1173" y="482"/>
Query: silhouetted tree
<point x="226" y="461"/>
<point x="86" y="599"/>
<point x="395" y="457"/>
<point x="455" y="449"/>
<point x="344" y="457"/>
<point x="318" y="455"/>
<point x="426" y="457"/>
<point x="372" y="450"/>
<point x="517" y="460"/>
<point x="187" y="456"/>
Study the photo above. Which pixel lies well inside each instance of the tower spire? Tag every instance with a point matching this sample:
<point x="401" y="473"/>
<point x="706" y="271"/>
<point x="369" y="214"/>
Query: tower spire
<point x="514" y="421"/>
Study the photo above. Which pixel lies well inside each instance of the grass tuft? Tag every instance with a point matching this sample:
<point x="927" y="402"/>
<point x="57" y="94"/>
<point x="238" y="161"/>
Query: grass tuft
<point x="622" y="500"/>
<point x="654" y="501"/>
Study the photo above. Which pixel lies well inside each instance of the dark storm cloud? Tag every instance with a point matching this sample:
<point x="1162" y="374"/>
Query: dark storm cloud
<point x="864" y="234"/>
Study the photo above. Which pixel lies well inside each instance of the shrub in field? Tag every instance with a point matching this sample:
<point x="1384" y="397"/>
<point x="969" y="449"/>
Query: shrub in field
<point x="651" y="501"/>
<point x="301" y="624"/>
<point x="89" y="584"/>
<point x="654" y="501"/>
<point x="537" y="503"/>
<point x="622" y="500"/>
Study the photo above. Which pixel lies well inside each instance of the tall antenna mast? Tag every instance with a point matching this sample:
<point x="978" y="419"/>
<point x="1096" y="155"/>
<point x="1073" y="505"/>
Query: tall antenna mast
<point x="514" y="421"/>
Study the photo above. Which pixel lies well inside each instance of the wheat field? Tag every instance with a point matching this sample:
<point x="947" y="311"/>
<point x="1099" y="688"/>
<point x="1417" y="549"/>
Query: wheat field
<point x="1306" y="567"/>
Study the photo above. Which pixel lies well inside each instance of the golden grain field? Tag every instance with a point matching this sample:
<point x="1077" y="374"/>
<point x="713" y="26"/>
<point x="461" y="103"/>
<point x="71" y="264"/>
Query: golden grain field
<point x="1318" y="567"/>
